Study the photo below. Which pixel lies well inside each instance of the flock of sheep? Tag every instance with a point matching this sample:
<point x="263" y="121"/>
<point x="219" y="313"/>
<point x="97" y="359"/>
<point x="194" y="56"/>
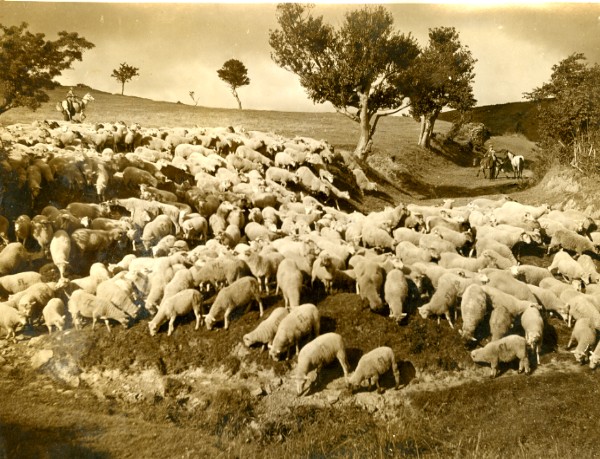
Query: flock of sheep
<point x="178" y="219"/>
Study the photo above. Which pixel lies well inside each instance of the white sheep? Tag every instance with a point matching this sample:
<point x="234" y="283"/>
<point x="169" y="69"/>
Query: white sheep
<point x="588" y="265"/>
<point x="10" y="318"/>
<point x="265" y="331"/>
<point x="569" y="240"/>
<point x="503" y="350"/>
<point x="54" y="314"/>
<point x="395" y="293"/>
<point x="301" y="321"/>
<point x="369" y="282"/>
<point x="514" y="305"/>
<point x="290" y="281"/>
<point x="595" y="357"/>
<point x="320" y="351"/>
<point x="530" y="274"/>
<point x="241" y="292"/>
<point x="550" y="301"/>
<point x="372" y="365"/>
<point x="364" y="184"/>
<point x="179" y="304"/>
<point x="501" y="321"/>
<point x="473" y="307"/>
<point x="568" y="268"/>
<point x="584" y="334"/>
<point x="533" y="324"/>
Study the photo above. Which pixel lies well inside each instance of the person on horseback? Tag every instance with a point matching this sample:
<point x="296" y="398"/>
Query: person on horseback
<point x="71" y="97"/>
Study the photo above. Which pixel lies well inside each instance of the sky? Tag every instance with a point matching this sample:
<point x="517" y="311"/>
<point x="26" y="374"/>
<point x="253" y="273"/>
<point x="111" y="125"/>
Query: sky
<point x="178" y="48"/>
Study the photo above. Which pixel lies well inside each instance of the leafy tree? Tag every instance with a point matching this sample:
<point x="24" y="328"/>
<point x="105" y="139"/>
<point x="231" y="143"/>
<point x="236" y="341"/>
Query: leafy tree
<point x="235" y="74"/>
<point x="29" y="63"/>
<point x="361" y="69"/>
<point x="124" y="73"/>
<point x="442" y="77"/>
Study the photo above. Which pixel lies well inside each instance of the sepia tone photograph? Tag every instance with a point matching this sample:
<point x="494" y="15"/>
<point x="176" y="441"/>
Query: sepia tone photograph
<point x="288" y="230"/>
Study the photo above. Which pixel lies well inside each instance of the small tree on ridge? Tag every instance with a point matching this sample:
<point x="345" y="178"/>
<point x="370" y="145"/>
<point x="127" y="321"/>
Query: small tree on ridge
<point x="235" y="74"/>
<point x="124" y="73"/>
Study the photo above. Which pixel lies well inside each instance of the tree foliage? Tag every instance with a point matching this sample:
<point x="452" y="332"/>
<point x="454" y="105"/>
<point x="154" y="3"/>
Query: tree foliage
<point x="29" y="63"/>
<point x="570" y="123"/>
<point x="124" y="73"/>
<point x="442" y="77"/>
<point x="361" y="68"/>
<point x="235" y="74"/>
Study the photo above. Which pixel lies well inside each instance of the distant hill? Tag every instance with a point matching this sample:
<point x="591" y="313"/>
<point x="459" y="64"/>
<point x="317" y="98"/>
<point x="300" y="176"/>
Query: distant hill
<point x="502" y="119"/>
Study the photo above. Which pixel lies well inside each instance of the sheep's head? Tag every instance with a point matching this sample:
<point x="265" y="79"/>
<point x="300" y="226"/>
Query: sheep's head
<point x="209" y="321"/>
<point x="594" y="360"/>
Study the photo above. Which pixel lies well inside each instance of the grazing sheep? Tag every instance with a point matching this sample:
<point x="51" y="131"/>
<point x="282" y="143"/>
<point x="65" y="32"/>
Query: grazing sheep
<point x="504" y="281"/>
<point x="301" y="321"/>
<point x="290" y="281"/>
<point x="323" y="269"/>
<point x="14" y="283"/>
<point x="31" y="302"/>
<point x="264" y="267"/>
<point x="110" y="290"/>
<point x="83" y="304"/>
<point x="589" y="267"/>
<point x="454" y="260"/>
<point x="514" y="305"/>
<point x="530" y="274"/>
<point x="60" y="250"/>
<point x="441" y="303"/>
<point x="179" y="304"/>
<point x="533" y="324"/>
<point x="550" y="301"/>
<point x="584" y="334"/>
<point x="486" y="243"/>
<point x="396" y="292"/>
<point x="369" y="282"/>
<point x="501" y="321"/>
<point x="573" y="242"/>
<point x="595" y="357"/>
<point x="558" y="287"/>
<point x="364" y="184"/>
<point x="473" y="308"/>
<point x="372" y="365"/>
<point x="503" y="350"/>
<point x="266" y="330"/>
<point x="320" y="351"/>
<point x="375" y="237"/>
<point x="10" y="318"/>
<point x="54" y="314"/>
<point x="568" y="268"/>
<point x="241" y="292"/>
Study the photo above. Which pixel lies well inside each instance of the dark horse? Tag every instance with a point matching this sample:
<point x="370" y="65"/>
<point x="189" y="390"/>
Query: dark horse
<point x="490" y="165"/>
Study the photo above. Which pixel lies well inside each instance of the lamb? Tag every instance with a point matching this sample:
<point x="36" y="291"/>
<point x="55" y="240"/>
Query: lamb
<point x="503" y="350"/>
<point x="571" y="241"/>
<point x="584" y="334"/>
<point x="266" y="330"/>
<point x="10" y="318"/>
<point x="82" y="304"/>
<point x="501" y="321"/>
<point x="396" y="292"/>
<point x="239" y="293"/>
<point x="473" y="308"/>
<point x="289" y="280"/>
<point x="372" y="365"/>
<point x="320" y="351"/>
<point x="54" y="314"/>
<point x="533" y="324"/>
<point x="568" y="268"/>
<point x="180" y="304"/>
<point x="301" y="321"/>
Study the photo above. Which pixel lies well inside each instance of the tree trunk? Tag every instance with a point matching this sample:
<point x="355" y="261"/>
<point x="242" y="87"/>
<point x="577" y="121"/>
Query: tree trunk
<point x="122" y="87"/>
<point x="363" y="148"/>
<point x="427" y="123"/>
<point x="235" y="94"/>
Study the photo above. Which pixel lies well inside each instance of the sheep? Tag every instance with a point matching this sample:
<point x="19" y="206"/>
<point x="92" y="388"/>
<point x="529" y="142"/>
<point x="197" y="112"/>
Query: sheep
<point x="42" y="232"/>
<point x="60" y="250"/>
<point x="118" y="296"/>
<point x="486" y="243"/>
<point x="573" y="242"/>
<point x="503" y="350"/>
<point x="504" y="281"/>
<point x="513" y="304"/>
<point x="364" y="184"/>
<point x="323" y="269"/>
<point x="301" y="321"/>
<point x="289" y="280"/>
<point x="266" y="330"/>
<point x="584" y="334"/>
<point x="264" y="267"/>
<point x="595" y="357"/>
<point x="404" y="234"/>
<point x="409" y="253"/>
<point x="22" y="227"/>
<point x="473" y="308"/>
<point x="241" y="292"/>
<point x="179" y="304"/>
<point x="396" y="292"/>
<point x="533" y="324"/>
<point x="435" y="243"/>
<point x="369" y="281"/>
<point x="461" y="240"/>
<point x="372" y="365"/>
<point x="568" y="268"/>
<point x="285" y="160"/>
<point x="455" y="260"/>
<point x="182" y="279"/>
<point x="589" y="267"/>
<point x="86" y="305"/>
<point x="558" y="287"/>
<point x="158" y="228"/>
<point x="530" y="274"/>
<point x="14" y="283"/>
<point x="435" y="221"/>
<point x="54" y="314"/>
<point x="10" y="318"/>
<point x="580" y="306"/>
<point x="33" y="300"/>
<point x="375" y="237"/>
<point x="320" y="351"/>
<point x="501" y="321"/>
<point x="550" y="301"/>
<point x="441" y="302"/>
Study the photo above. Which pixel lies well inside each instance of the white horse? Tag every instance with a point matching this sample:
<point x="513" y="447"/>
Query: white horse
<point x="517" y="162"/>
<point x="77" y="107"/>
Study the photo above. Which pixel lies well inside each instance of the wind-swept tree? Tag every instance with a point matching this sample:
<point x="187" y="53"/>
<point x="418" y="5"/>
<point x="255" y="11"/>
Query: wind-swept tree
<point x="361" y="68"/>
<point x="235" y="74"/>
<point x="442" y="77"/>
<point x="29" y="63"/>
<point x="124" y="73"/>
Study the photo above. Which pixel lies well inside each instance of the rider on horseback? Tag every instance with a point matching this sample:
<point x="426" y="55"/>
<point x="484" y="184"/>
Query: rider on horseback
<point x="71" y="97"/>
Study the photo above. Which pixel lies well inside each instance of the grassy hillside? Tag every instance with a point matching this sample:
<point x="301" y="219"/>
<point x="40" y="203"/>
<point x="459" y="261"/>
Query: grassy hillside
<point x="501" y="119"/>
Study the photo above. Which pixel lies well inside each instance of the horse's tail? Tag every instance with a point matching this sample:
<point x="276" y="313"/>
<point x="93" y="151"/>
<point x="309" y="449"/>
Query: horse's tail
<point x="59" y="107"/>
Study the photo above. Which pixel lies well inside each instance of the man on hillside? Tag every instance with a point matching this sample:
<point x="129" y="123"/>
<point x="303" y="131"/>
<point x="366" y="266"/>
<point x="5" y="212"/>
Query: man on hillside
<point x="71" y="97"/>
